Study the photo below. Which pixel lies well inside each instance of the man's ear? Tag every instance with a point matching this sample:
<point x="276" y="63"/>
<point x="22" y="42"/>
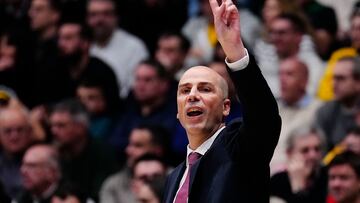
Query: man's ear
<point x="226" y="107"/>
<point x="177" y="115"/>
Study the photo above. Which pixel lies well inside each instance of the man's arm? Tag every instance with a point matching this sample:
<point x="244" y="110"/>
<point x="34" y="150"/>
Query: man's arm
<point x="227" y="26"/>
<point x="261" y="118"/>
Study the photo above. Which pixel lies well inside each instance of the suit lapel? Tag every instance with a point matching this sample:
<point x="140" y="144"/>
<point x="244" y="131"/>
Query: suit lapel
<point x="175" y="181"/>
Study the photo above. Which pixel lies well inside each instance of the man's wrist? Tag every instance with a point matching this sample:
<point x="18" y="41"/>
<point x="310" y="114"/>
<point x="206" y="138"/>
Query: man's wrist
<point x="240" y="63"/>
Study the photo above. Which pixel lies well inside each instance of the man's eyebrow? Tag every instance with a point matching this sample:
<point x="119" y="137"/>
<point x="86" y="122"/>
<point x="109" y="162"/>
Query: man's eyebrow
<point x="183" y="85"/>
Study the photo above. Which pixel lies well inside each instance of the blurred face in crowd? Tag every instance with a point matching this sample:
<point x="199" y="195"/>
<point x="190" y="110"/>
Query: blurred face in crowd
<point x="7" y="53"/>
<point x="170" y="54"/>
<point x="344" y="184"/>
<point x="146" y="195"/>
<point x="37" y="171"/>
<point x="146" y="170"/>
<point x="202" y="101"/>
<point x="308" y="148"/>
<point x="352" y="143"/>
<point x="148" y="86"/>
<point x="355" y="32"/>
<point x="67" y="199"/>
<point x="345" y="85"/>
<point x="206" y="9"/>
<point x="101" y="18"/>
<point x="140" y="143"/>
<point x="65" y="129"/>
<point x="270" y="10"/>
<point x="293" y="80"/>
<point x="284" y="37"/>
<point x="15" y="131"/>
<point x="42" y="15"/>
<point x="92" y="98"/>
<point x="69" y="40"/>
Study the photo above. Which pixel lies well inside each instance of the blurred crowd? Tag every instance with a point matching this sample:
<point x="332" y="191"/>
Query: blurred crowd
<point x="88" y="91"/>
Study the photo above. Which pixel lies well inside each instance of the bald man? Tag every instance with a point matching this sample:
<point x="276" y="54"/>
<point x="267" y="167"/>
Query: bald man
<point x="15" y="138"/>
<point x="225" y="163"/>
<point x="41" y="173"/>
<point x="297" y="108"/>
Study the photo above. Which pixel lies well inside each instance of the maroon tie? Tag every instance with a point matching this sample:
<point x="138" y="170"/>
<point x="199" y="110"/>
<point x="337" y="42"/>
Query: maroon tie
<point x="183" y="193"/>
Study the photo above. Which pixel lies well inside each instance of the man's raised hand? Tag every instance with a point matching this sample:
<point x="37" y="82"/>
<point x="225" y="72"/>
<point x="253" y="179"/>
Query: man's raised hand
<point x="227" y="25"/>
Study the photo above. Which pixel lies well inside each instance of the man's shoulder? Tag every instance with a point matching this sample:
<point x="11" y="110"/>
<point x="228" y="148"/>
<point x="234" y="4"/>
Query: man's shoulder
<point x="329" y="107"/>
<point x="122" y="36"/>
<point x="117" y="180"/>
<point x="233" y="125"/>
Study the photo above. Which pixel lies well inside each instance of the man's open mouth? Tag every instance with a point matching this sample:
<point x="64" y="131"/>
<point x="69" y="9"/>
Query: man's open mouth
<point x="194" y="112"/>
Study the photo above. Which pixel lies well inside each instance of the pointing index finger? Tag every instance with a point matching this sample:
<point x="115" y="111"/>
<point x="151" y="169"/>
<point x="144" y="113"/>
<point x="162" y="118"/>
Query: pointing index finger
<point x="214" y="5"/>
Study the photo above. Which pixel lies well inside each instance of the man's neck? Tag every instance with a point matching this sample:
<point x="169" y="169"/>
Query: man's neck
<point x="103" y="42"/>
<point x="197" y="139"/>
<point x="288" y="54"/>
<point x="147" y="108"/>
<point x="75" y="149"/>
<point x="48" y="33"/>
<point x="295" y="101"/>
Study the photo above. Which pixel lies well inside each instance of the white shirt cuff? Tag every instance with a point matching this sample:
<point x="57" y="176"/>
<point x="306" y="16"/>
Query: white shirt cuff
<point x="240" y="64"/>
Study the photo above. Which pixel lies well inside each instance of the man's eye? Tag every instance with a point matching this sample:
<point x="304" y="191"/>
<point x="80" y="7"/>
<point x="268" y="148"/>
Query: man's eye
<point x="206" y="89"/>
<point x="185" y="91"/>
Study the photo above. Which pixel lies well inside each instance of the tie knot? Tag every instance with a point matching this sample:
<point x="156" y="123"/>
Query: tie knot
<point x="193" y="156"/>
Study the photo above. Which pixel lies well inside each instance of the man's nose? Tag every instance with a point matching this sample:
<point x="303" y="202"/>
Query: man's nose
<point x="193" y="95"/>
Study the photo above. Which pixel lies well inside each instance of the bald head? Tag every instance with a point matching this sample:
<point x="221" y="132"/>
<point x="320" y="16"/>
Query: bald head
<point x="15" y="131"/>
<point x="293" y="76"/>
<point x="44" y="153"/>
<point x="40" y="169"/>
<point x="207" y="73"/>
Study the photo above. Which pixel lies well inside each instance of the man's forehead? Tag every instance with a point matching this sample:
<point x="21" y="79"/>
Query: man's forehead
<point x="202" y="73"/>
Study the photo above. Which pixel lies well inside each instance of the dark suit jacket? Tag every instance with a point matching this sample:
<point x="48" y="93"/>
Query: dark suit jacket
<point x="236" y="167"/>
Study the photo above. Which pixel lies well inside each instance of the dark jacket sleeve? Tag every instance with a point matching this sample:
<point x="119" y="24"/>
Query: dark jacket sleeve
<point x="261" y="121"/>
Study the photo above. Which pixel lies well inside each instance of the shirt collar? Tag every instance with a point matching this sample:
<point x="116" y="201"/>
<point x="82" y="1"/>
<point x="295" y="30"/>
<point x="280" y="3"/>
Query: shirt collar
<point x="204" y="147"/>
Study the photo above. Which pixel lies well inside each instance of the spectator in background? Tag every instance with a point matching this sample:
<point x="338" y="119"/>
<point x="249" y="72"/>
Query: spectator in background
<point x="337" y="116"/>
<point x="119" y="49"/>
<point x="74" y="43"/>
<point x="41" y="174"/>
<point x="15" y="138"/>
<point x="297" y="108"/>
<point x="289" y="38"/>
<point x="151" y="100"/>
<point x="324" y="22"/>
<point x="152" y="191"/>
<point x="84" y="160"/>
<point x="146" y="168"/>
<point x="49" y="81"/>
<point x="344" y="178"/>
<point x="14" y="60"/>
<point x="143" y="139"/>
<point x="326" y="91"/>
<point x="104" y="107"/>
<point x="68" y="193"/>
<point x="305" y="179"/>
<point x="274" y="8"/>
<point x="171" y="52"/>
